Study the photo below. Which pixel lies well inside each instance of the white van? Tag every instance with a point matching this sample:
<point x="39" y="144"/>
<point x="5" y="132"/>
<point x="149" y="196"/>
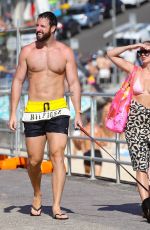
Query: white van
<point x="133" y="2"/>
<point x="130" y="33"/>
<point x="127" y="34"/>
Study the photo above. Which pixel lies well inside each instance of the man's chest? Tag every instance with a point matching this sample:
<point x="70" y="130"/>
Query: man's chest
<point x="44" y="61"/>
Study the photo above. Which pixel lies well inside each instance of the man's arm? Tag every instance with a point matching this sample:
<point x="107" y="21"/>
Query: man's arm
<point x="74" y="85"/>
<point x="17" y="87"/>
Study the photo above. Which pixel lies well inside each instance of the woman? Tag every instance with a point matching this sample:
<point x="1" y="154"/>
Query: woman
<point x="137" y="130"/>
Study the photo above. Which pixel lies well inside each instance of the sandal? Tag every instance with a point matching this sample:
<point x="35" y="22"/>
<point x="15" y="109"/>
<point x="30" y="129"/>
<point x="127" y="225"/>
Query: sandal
<point x="58" y="216"/>
<point x="37" y="210"/>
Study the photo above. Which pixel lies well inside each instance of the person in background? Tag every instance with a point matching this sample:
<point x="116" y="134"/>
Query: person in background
<point x="85" y="146"/>
<point x="137" y="131"/>
<point x="104" y="66"/>
<point x="3" y="25"/>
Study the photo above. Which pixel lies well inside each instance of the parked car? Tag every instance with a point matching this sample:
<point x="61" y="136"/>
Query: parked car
<point x="99" y="4"/>
<point x="133" y="2"/>
<point x="120" y="6"/>
<point x="67" y="27"/>
<point x="86" y="14"/>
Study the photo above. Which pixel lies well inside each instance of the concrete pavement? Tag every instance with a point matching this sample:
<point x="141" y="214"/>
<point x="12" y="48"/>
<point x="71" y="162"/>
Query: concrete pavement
<point x="91" y="205"/>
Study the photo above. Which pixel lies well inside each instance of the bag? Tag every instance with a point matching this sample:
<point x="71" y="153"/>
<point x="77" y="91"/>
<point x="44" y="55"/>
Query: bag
<point x="118" y="112"/>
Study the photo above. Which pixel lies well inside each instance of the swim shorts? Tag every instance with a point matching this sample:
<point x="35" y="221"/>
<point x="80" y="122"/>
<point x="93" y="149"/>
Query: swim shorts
<point x="41" y="117"/>
<point x="97" y="153"/>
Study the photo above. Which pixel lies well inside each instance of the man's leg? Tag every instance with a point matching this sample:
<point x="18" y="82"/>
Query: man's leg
<point x="87" y="168"/>
<point x="35" y="149"/>
<point x="98" y="165"/>
<point x="57" y="143"/>
<point x="98" y="169"/>
<point x="87" y="164"/>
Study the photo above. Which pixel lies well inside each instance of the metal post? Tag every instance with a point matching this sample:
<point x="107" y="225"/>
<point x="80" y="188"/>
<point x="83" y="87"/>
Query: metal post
<point x="18" y="131"/>
<point x="0" y="10"/>
<point x="117" y="158"/>
<point x="113" y="14"/>
<point x="92" y="134"/>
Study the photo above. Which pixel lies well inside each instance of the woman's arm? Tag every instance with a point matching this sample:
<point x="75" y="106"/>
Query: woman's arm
<point x="114" y="56"/>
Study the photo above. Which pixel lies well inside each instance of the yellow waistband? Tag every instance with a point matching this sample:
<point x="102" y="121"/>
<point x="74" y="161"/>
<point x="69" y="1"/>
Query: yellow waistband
<point x="41" y="106"/>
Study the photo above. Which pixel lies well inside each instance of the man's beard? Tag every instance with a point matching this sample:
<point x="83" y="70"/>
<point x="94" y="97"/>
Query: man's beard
<point x="44" y="37"/>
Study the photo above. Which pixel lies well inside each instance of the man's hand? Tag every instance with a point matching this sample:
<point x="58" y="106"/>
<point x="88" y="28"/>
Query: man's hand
<point x="13" y="123"/>
<point x="78" y="121"/>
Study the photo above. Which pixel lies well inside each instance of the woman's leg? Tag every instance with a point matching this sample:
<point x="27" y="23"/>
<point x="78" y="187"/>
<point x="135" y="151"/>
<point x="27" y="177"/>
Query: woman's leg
<point x="142" y="177"/>
<point x="136" y="132"/>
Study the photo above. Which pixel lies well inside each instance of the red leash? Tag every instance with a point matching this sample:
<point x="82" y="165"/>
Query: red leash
<point x="96" y="142"/>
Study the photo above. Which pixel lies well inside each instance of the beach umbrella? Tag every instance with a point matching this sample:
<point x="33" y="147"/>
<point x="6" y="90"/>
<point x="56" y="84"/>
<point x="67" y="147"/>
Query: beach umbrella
<point x="3" y="68"/>
<point x="65" y="6"/>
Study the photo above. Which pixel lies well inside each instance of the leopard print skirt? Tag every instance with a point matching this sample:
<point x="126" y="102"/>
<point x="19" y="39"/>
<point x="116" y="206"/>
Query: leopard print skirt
<point x="137" y="134"/>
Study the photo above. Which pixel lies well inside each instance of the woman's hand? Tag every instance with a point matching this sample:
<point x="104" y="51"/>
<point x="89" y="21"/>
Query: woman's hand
<point x="140" y="46"/>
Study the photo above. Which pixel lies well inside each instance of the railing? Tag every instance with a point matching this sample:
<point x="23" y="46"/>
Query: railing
<point x="16" y="146"/>
<point x="92" y="159"/>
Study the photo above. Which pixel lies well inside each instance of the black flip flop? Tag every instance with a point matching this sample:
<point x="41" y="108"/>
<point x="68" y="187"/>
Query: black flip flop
<point x="37" y="210"/>
<point x="60" y="214"/>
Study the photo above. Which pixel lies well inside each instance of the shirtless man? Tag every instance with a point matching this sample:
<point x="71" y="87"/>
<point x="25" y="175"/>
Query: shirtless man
<point x="46" y="63"/>
<point x="104" y="67"/>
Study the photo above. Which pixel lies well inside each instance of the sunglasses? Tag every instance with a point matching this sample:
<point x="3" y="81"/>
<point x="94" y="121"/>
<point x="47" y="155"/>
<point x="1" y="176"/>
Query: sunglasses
<point x="143" y="52"/>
